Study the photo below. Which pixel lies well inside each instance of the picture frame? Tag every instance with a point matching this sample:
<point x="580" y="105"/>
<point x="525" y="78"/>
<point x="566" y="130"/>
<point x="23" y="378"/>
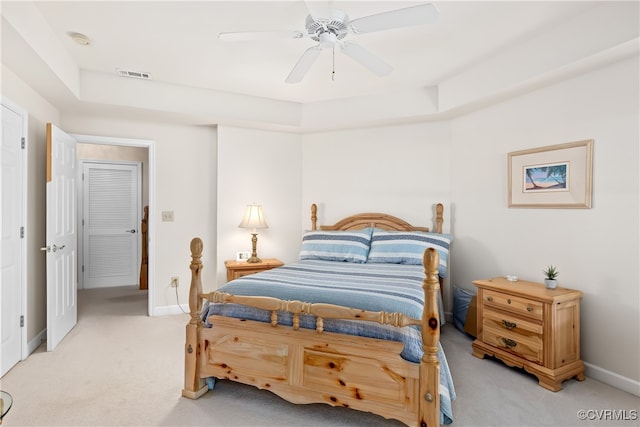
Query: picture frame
<point x="243" y="256"/>
<point x="555" y="176"/>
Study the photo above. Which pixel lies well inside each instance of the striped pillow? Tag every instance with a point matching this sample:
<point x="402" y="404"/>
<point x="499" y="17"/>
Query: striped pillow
<point x="348" y="246"/>
<point x="407" y="247"/>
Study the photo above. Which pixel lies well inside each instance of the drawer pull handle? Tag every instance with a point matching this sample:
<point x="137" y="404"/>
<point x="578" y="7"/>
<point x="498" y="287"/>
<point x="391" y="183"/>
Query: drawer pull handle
<point x="509" y="343"/>
<point x="509" y="301"/>
<point x="508" y="325"/>
<point x="529" y="308"/>
<point x="489" y="298"/>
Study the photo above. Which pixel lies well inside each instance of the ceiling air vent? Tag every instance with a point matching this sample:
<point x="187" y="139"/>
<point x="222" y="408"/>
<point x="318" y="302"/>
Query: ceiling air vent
<point x="134" y="74"/>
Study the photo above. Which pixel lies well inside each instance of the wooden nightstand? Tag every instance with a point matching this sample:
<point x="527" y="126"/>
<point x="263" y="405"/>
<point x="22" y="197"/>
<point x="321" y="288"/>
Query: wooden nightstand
<point x="531" y="327"/>
<point x="237" y="269"/>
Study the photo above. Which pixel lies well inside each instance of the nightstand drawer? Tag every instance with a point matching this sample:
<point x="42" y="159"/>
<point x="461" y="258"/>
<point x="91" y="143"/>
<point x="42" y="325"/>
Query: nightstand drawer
<point x="502" y="320"/>
<point x="240" y="273"/>
<point x="522" y="343"/>
<point x="514" y="304"/>
<point x="237" y="269"/>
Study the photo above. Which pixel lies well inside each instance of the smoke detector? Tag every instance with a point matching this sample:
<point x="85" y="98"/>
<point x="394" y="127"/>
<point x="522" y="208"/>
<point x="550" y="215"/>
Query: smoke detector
<point x="80" y="38"/>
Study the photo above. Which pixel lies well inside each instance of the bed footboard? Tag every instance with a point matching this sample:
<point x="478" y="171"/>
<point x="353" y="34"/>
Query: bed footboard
<point x="306" y="366"/>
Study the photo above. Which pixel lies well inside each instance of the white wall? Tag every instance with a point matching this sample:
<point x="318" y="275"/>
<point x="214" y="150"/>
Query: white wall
<point x="262" y="167"/>
<point x="595" y="249"/>
<point x="185" y="184"/>
<point x="399" y="170"/>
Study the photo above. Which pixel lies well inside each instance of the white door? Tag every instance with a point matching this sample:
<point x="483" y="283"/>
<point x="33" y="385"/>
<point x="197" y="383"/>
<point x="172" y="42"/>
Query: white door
<point x="111" y="217"/>
<point x="62" y="307"/>
<point x="11" y="251"/>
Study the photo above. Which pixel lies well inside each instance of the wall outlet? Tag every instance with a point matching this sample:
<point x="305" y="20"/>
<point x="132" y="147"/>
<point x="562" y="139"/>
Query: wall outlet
<point x="175" y="281"/>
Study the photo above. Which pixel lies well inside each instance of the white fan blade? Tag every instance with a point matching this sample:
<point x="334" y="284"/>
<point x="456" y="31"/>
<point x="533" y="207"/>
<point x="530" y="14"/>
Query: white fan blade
<point x="367" y="59"/>
<point x="260" y="35"/>
<point x="304" y="64"/>
<point x="415" y="15"/>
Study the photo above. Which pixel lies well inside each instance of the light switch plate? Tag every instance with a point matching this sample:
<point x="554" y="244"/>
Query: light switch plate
<point x="167" y="216"/>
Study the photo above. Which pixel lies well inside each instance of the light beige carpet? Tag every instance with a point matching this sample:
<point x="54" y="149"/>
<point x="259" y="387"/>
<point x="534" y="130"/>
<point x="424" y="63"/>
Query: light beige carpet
<point x="119" y="367"/>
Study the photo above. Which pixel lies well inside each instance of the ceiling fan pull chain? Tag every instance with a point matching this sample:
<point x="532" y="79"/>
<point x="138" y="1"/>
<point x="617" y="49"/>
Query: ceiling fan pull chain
<point x="333" y="64"/>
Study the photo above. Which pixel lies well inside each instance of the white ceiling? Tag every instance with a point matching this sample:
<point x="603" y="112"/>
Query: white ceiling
<point x="476" y="53"/>
<point x="177" y="42"/>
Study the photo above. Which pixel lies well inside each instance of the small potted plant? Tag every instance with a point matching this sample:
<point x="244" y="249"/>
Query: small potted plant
<point x="550" y="274"/>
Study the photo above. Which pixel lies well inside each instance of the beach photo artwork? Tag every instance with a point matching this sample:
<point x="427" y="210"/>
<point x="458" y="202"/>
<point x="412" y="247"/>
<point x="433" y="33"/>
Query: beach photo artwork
<point x="548" y="177"/>
<point x="555" y="176"/>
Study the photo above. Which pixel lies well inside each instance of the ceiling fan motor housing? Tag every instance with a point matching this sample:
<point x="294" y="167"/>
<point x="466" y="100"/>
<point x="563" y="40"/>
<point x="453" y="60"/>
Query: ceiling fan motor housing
<point x="329" y="30"/>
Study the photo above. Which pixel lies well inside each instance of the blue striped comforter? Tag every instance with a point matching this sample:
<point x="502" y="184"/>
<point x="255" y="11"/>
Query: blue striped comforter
<point x="373" y="287"/>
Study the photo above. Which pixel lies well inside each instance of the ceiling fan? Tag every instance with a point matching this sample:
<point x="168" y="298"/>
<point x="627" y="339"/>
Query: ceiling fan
<point x="329" y="26"/>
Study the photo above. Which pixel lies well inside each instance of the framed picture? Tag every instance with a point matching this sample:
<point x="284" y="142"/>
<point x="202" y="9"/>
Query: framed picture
<point x="243" y="255"/>
<point x="556" y="176"/>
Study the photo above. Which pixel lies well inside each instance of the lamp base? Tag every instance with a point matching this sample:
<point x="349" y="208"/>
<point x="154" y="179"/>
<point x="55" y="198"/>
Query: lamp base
<point x="254" y="254"/>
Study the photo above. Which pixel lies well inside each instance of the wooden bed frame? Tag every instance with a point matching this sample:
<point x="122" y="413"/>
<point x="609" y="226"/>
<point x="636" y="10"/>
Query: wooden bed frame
<point x="307" y="366"/>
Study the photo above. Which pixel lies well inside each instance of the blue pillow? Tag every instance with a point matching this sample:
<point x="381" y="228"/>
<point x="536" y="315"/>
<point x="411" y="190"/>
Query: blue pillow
<point x="348" y="246"/>
<point x="407" y="247"/>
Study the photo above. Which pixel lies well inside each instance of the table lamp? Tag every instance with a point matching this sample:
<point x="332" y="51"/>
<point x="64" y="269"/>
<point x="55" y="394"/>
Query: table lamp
<point x="254" y="219"/>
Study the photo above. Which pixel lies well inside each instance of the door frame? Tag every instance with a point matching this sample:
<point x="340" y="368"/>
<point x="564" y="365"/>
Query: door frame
<point x="151" y="227"/>
<point x="24" y="345"/>
<point x="82" y="215"/>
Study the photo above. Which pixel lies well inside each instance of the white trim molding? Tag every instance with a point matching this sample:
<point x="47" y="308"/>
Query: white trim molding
<point x="36" y="342"/>
<point x="613" y="379"/>
<point x="168" y="310"/>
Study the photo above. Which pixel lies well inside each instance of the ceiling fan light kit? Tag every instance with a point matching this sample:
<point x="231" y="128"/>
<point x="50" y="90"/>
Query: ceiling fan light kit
<point x="329" y="31"/>
<point x="327" y="39"/>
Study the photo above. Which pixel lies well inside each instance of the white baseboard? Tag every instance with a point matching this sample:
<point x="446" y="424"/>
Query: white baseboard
<point x="613" y="379"/>
<point x="35" y="342"/>
<point x="171" y="309"/>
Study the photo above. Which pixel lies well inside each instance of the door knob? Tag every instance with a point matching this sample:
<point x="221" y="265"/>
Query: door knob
<point x="130" y="231"/>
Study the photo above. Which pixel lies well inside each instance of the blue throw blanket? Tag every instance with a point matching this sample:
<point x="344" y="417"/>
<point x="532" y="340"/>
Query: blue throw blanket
<point x="373" y="287"/>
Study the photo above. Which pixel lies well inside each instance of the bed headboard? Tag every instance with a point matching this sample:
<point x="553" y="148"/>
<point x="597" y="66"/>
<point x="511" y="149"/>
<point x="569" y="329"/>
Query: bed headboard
<point x="378" y="220"/>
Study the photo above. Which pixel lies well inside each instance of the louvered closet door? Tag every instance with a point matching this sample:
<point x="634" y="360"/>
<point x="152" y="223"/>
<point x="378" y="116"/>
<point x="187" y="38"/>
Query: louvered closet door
<point x="111" y="194"/>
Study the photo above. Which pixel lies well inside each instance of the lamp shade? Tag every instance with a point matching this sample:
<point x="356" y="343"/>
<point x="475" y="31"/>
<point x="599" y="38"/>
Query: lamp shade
<point x="253" y="218"/>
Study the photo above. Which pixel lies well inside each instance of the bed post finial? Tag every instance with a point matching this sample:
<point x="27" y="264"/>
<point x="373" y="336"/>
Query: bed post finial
<point x="196" y="247"/>
<point x="314" y="216"/>
<point x="439" y="211"/>
<point x="429" y="406"/>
